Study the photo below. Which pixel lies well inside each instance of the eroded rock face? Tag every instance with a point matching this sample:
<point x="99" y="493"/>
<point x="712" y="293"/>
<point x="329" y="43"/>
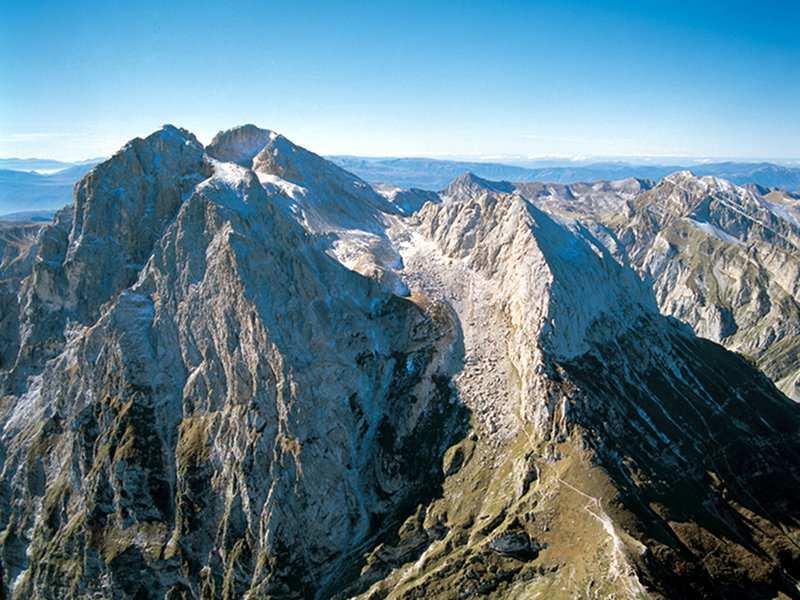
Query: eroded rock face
<point x="330" y="198"/>
<point x="95" y="249"/>
<point x="247" y="405"/>
<point x="17" y="251"/>
<point x="725" y="260"/>
<point x="239" y="145"/>
<point x="238" y="412"/>
<point x="521" y="276"/>
<point x="720" y="257"/>
<point x="603" y="381"/>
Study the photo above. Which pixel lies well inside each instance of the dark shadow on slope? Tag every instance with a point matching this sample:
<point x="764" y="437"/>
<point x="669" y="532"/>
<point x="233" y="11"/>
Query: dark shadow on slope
<point x="419" y="455"/>
<point x="706" y="453"/>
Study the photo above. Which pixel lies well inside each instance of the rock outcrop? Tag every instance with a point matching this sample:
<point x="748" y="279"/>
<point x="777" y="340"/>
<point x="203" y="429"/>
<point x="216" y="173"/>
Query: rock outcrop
<point x="725" y="260"/>
<point x="95" y="249"/>
<point x="721" y="258"/>
<point x="17" y="252"/>
<point x="239" y="145"/>
<point x="605" y="430"/>
<point x="242" y="418"/>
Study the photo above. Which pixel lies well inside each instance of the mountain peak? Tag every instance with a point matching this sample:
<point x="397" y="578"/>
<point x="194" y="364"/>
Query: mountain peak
<point x="335" y="199"/>
<point x="171" y="131"/>
<point x="508" y="239"/>
<point x="240" y="144"/>
<point x="682" y="174"/>
<point x="283" y="158"/>
<point x="471" y="184"/>
<point x="166" y="139"/>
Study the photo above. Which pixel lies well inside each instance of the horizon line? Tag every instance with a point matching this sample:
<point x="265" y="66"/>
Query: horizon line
<point x="574" y="158"/>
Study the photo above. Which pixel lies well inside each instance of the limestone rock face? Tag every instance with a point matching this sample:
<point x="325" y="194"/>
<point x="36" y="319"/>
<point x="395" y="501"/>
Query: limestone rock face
<point x="17" y="251"/>
<point x="95" y="249"/>
<point x="121" y="208"/>
<point x="725" y="260"/>
<point x="17" y="247"/>
<point x="567" y="364"/>
<point x="246" y="405"/>
<point x="505" y="238"/>
<point x="330" y="198"/>
<point x="721" y="258"/>
<point x="239" y="145"/>
<point x="529" y="276"/>
<point x="240" y="373"/>
<point x="566" y="357"/>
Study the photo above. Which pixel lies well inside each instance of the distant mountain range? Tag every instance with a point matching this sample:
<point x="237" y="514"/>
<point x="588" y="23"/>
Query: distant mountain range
<point x="26" y="190"/>
<point x="23" y="189"/>
<point x="42" y="164"/>
<point x="435" y="174"/>
<point x="28" y="216"/>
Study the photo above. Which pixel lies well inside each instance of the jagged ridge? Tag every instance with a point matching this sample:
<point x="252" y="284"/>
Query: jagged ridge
<point x="235" y="412"/>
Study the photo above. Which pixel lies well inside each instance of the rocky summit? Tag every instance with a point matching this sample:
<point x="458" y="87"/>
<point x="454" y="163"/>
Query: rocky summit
<point x="240" y="371"/>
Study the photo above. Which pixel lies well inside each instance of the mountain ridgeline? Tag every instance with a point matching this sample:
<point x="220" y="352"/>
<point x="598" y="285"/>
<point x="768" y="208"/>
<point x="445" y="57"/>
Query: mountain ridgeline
<point x="435" y="174"/>
<point x="46" y="185"/>
<point x="240" y="371"/>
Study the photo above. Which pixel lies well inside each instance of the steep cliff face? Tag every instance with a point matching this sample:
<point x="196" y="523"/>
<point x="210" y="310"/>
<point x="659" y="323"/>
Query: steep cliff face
<point x="344" y="214"/>
<point x="17" y="247"/>
<point x="720" y="257"/>
<point x="239" y="145"/>
<point x="237" y="413"/>
<point x="239" y="419"/>
<point x="330" y="199"/>
<point x="17" y="252"/>
<point x="531" y="274"/>
<point x="725" y="260"/>
<point x="95" y="249"/>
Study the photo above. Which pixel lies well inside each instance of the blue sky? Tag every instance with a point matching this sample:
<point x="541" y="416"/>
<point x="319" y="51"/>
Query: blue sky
<point x="715" y="79"/>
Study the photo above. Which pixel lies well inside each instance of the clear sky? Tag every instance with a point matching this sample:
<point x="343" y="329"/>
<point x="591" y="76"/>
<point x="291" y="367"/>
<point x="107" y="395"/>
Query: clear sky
<point x="715" y="79"/>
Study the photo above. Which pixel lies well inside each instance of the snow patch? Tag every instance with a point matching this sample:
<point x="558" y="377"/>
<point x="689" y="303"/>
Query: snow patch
<point x="716" y="232"/>
<point x="783" y="213"/>
<point x="273" y="182"/>
<point x="28" y="408"/>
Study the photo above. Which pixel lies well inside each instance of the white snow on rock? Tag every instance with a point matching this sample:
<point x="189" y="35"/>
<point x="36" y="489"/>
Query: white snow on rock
<point x="714" y="231"/>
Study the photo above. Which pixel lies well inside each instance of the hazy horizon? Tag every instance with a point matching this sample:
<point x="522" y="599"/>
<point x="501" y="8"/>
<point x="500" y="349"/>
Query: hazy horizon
<point x="661" y="160"/>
